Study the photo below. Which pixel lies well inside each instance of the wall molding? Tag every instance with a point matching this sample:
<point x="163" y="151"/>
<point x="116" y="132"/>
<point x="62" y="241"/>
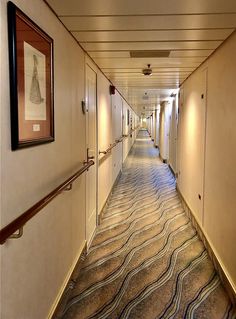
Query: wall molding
<point x="221" y="270"/>
<point x="60" y="302"/>
<point x="171" y="169"/>
<point x="164" y="160"/>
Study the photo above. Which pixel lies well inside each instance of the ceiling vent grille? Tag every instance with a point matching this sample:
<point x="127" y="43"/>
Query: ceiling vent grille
<point x="149" y="54"/>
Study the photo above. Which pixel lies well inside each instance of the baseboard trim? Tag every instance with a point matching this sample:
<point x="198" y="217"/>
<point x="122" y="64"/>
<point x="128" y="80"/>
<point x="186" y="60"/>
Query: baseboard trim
<point x="67" y="286"/>
<point x="225" y="278"/>
<point x="163" y="159"/>
<point x="91" y="238"/>
<point x="172" y="171"/>
<point x="108" y="197"/>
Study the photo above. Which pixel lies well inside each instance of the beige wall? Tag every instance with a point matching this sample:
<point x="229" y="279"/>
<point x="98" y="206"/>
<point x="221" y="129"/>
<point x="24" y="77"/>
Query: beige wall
<point x="157" y="126"/>
<point x="34" y="267"/>
<point x="109" y="129"/>
<point x="164" y="129"/>
<point x="105" y="138"/>
<point x="111" y="125"/>
<point x="218" y="180"/>
<point x="173" y="134"/>
<point x="127" y="143"/>
<point x="117" y="103"/>
<point x="192" y="142"/>
<point x="144" y="123"/>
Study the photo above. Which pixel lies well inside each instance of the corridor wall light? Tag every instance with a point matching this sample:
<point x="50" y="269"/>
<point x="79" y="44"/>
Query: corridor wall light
<point x="147" y="71"/>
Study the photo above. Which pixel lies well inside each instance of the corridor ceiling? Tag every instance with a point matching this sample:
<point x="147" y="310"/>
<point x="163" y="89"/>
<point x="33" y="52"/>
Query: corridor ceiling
<point x="186" y="32"/>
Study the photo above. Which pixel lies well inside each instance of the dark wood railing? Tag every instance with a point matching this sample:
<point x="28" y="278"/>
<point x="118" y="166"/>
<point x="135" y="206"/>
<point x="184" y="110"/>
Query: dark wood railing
<point x="19" y="222"/>
<point x="117" y="141"/>
<point x="108" y="149"/>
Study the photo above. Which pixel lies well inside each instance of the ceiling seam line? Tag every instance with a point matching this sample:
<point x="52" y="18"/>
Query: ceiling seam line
<point x="153" y="29"/>
<point x="144" y="15"/>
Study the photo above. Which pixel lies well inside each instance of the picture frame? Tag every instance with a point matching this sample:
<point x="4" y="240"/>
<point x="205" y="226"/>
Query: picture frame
<point x="31" y="81"/>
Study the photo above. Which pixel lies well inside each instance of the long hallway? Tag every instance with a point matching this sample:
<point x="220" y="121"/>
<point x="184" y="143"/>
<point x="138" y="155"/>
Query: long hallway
<point x="146" y="260"/>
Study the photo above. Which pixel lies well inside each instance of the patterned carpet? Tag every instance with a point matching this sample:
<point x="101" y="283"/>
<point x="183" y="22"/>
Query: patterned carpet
<point x="146" y="260"/>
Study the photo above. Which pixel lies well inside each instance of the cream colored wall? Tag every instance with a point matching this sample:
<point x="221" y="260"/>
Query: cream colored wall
<point x="157" y="142"/>
<point x="144" y="123"/>
<point x="149" y="124"/>
<point x="105" y="139"/>
<point x="164" y="129"/>
<point x="220" y="176"/>
<point x="192" y="142"/>
<point x="110" y="128"/>
<point x="173" y="134"/>
<point x="137" y="125"/>
<point x="218" y="218"/>
<point x="127" y="142"/>
<point x="34" y="267"/>
<point x="117" y="103"/>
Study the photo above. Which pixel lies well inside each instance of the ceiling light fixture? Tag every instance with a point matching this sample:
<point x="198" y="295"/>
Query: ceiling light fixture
<point x="147" y="71"/>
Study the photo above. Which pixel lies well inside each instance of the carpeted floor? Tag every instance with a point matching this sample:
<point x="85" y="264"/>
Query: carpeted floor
<point x="146" y="260"/>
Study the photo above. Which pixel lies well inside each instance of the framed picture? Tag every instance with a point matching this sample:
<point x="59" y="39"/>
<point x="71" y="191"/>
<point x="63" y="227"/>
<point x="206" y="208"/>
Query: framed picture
<point x="31" y="81"/>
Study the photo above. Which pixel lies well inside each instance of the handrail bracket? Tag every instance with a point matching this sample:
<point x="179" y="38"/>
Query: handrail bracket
<point x="19" y="234"/>
<point x="68" y="188"/>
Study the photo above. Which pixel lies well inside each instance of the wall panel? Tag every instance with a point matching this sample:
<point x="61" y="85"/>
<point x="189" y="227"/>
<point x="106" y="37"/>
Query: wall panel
<point x="214" y="178"/>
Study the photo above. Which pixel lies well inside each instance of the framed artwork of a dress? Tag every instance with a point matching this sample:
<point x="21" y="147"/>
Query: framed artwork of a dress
<point x="31" y="81"/>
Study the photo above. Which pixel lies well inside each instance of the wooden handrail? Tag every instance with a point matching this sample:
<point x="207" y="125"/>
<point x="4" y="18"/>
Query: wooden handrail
<point x="108" y="149"/>
<point x="20" y="221"/>
<point x="117" y="141"/>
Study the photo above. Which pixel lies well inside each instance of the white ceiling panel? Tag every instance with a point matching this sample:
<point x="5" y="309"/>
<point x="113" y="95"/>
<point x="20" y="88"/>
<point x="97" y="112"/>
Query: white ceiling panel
<point x="108" y="30"/>
<point x="126" y="54"/>
<point x="165" y="69"/>
<point x="166" y="22"/>
<point x="187" y="45"/>
<point x="154" y="87"/>
<point x="135" y="7"/>
<point x="169" y="35"/>
<point x="142" y="63"/>
<point x="109" y="54"/>
<point x="190" y="53"/>
<point x="155" y="75"/>
<point x="148" y="81"/>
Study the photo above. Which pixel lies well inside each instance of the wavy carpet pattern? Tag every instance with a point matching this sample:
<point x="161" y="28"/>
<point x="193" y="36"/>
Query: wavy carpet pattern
<point x="146" y="260"/>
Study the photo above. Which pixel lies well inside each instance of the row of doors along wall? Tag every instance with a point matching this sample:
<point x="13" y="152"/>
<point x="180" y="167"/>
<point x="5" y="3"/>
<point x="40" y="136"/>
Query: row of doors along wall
<point x="120" y="110"/>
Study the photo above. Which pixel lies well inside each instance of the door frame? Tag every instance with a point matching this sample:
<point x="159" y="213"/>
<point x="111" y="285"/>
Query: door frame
<point x="87" y="65"/>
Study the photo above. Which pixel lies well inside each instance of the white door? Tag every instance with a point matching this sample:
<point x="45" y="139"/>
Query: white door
<point x="91" y="139"/>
